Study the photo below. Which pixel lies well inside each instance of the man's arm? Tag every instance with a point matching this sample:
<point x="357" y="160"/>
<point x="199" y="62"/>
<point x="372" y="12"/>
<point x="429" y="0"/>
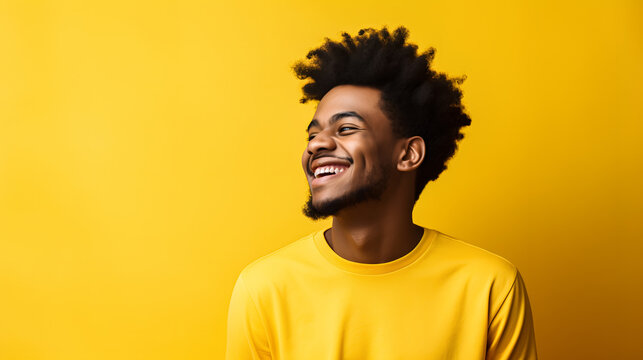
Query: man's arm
<point x="247" y="337"/>
<point x="511" y="332"/>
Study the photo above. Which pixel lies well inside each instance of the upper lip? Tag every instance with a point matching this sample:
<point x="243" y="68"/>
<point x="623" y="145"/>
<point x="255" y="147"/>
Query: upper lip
<point x="326" y="161"/>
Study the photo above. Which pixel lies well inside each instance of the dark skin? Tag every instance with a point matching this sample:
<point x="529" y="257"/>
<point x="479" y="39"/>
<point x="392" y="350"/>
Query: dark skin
<point x="351" y="131"/>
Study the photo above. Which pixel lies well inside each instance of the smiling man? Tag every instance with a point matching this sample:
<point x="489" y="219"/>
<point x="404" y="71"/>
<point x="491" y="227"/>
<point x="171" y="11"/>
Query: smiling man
<point x="375" y="285"/>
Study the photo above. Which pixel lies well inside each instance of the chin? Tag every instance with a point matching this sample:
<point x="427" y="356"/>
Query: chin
<point x="321" y="208"/>
<point x="319" y="200"/>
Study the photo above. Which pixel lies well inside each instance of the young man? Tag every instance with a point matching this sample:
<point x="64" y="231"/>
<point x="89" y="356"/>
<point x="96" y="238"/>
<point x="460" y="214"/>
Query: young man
<point x="375" y="285"/>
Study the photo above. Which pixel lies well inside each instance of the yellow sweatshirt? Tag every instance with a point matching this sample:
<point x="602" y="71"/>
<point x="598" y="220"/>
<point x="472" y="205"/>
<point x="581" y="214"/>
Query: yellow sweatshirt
<point x="446" y="299"/>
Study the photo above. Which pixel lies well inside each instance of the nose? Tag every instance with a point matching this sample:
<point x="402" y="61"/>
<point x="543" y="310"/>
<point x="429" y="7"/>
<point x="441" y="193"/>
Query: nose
<point x="320" y="142"/>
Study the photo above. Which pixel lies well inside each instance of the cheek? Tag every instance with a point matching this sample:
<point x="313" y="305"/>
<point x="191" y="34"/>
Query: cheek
<point x="386" y="154"/>
<point x="367" y="154"/>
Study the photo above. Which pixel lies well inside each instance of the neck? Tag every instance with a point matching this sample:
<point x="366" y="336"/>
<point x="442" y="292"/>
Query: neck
<point x="375" y="231"/>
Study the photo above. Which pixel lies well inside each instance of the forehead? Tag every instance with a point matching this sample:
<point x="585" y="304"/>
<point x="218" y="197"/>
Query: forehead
<point x="365" y="101"/>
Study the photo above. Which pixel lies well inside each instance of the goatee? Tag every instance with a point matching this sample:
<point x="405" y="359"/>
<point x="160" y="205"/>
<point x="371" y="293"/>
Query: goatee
<point x="370" y="191"/>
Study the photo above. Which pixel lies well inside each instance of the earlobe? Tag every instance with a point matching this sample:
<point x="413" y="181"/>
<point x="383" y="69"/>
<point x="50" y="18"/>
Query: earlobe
<point x="412" y="155"/>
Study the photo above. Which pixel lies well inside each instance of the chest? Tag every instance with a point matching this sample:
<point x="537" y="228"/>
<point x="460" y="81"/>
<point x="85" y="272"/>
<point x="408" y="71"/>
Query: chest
<point x="419" y="319"/>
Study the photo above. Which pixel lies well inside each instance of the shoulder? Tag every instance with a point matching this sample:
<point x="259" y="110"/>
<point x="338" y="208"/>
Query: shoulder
<point x="280" y="264"/>
<point x="474" y="258"/>
<point x="475" y="265"/>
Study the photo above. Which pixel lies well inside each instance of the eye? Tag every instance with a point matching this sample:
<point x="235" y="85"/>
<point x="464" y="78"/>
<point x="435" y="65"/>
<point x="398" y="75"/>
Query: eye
<point x="346" y="128"/>
<point x="310" y="137"/>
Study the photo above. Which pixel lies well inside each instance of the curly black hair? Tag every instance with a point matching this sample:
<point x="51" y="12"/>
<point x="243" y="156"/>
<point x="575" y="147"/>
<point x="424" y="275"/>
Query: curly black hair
<point x="418" y="100"/>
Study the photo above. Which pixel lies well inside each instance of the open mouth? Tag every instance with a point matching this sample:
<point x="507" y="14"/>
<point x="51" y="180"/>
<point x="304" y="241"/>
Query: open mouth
<point x="325" y="173"/>
<point x="328" y="171"/>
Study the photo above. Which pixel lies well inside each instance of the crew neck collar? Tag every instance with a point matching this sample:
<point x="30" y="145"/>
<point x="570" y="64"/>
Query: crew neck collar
<point x="420" y="249"/>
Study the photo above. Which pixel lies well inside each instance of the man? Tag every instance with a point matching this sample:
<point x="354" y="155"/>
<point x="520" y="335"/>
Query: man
<point x="375" y="285"/>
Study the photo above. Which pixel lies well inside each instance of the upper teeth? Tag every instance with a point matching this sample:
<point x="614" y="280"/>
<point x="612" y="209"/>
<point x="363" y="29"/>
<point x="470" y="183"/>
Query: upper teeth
<point x="328" y="169"/>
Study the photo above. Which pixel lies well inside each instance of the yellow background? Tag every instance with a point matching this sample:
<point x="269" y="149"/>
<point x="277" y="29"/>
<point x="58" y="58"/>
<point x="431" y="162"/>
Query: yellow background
<point x="149" y="150"/>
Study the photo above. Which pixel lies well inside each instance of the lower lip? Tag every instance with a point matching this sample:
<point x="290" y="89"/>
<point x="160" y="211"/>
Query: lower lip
<point x="324" y="179"/>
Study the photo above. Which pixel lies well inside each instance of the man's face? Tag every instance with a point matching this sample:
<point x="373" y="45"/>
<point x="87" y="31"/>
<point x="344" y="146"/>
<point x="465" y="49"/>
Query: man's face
<point x="349" y="156"/>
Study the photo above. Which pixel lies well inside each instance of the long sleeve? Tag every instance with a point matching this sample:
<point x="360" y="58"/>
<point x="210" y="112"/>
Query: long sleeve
<point x="511" y="332"/>
<point x="246" y="332"/>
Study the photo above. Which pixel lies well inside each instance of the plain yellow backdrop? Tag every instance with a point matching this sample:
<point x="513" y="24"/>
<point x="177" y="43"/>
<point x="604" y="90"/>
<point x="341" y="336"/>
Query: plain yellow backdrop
<point x="149" y="150"/>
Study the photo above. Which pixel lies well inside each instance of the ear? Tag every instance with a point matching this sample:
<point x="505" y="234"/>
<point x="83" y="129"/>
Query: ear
<point x="412" y="154"/>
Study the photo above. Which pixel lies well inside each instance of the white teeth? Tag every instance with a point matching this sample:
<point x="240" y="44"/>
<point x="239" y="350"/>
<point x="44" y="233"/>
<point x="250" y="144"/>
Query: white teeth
<point x="327" y="170"/>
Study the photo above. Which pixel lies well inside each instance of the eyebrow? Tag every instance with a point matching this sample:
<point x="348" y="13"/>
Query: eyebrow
<point x="336" y="117"/>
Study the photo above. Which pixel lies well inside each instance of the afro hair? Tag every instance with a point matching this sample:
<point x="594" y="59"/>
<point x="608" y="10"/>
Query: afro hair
<point x="418" y="100"/>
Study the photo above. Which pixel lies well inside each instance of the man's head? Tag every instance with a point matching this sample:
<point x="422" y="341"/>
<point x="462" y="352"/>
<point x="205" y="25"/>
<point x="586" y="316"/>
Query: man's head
<point x="349" y="140"/>
<point x="382" y="112"/>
